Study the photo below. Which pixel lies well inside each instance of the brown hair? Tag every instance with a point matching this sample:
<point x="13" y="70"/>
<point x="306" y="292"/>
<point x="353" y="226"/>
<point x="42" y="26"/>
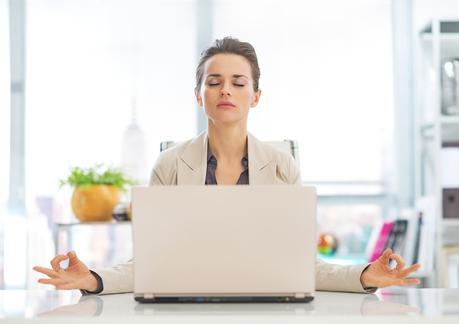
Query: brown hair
<point x="229" y="45"/>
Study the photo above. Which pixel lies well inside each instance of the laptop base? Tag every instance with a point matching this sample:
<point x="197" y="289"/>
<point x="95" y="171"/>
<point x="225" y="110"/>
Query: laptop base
<point x="232" y="299"/>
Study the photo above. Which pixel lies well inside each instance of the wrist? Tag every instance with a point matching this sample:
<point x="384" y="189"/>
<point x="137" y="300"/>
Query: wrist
<point x="91" y="284"/>
<point x="364" y="278"/>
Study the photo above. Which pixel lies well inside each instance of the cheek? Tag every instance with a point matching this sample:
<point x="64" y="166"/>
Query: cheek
<point x="247" y="96"/>
<point x="208" y="94"/>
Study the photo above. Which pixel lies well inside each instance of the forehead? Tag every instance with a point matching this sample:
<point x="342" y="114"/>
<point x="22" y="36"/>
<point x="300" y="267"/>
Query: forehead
<point x="227" y="65"/>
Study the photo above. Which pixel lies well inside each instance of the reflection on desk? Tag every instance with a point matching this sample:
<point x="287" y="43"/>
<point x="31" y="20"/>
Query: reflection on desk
<point x="419" y="304"/>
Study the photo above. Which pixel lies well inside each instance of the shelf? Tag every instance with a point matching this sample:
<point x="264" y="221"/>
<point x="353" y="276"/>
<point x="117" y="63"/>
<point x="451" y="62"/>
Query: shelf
<point x="447" y="27"/>
<point x="109" y="223"/>
<point x="449" y="129"/>
<point x="447" y="222"/>
<point x="451" y="37"/>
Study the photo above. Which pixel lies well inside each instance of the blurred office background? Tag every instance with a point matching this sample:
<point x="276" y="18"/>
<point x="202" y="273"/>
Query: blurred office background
<point x="349" y="81"/>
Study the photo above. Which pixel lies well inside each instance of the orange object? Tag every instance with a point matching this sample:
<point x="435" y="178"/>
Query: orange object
<point x="95" y="202"/>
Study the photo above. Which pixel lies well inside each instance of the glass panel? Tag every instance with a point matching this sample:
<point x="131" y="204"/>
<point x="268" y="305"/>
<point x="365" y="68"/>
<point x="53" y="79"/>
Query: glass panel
<point x="326" y="80"/>
<point x="85" y="78"/>
<point x="4" y="124"/>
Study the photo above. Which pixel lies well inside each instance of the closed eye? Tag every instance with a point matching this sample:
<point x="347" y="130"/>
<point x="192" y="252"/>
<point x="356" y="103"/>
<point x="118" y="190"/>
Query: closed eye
<point x="216" y="84"/>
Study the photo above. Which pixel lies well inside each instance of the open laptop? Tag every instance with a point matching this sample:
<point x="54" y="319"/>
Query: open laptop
<point x="224" y="243"/>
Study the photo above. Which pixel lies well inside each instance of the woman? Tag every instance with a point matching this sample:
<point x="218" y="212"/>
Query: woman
<point x="227" y="88"/>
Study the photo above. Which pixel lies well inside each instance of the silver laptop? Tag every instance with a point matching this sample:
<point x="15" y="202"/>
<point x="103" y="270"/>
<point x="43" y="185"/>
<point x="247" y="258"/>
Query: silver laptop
<point x="224" y="243"/>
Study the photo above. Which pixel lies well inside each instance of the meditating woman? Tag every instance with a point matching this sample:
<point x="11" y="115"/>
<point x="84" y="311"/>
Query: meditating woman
<point x="227" y="87"/>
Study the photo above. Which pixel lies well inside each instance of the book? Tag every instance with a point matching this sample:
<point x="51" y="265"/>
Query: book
<point x="412" y="235"/>
<point x="426" y="251"/>
<point x="397" y="237"/>
<point x="381" y="241"/>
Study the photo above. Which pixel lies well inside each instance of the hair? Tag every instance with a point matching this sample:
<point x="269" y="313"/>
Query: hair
<point x="229" y="45"/>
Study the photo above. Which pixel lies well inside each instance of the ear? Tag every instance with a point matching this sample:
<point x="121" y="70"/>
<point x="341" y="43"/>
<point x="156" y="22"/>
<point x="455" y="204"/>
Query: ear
<point x="256" y="99"/>
<point x="198" y="97"/>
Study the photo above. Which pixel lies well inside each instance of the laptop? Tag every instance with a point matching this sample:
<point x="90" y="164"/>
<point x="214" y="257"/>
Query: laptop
<point x="224" y="243"/>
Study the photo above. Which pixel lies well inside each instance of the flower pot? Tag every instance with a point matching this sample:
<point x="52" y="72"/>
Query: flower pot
<point x="95" y="202"/>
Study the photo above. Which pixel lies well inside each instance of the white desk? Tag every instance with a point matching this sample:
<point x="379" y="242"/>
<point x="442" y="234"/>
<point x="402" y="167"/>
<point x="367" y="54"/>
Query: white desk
<point x="388" y="306"/>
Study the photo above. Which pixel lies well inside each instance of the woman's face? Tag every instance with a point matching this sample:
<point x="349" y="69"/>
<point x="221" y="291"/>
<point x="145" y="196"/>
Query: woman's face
<point x="227" y="91"/>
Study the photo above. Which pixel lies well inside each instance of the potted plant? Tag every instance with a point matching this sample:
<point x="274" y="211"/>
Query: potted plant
<point x="96" y="191"/>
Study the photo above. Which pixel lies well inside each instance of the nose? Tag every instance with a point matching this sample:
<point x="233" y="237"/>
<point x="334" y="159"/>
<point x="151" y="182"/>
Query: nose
<point x="225" y="90"/>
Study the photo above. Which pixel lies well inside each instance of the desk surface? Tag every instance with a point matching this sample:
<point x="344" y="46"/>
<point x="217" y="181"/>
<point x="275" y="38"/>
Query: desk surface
<point x="394" y="305"/>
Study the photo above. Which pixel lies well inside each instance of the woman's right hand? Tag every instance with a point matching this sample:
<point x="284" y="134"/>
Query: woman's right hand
<point x="75" y="276"/>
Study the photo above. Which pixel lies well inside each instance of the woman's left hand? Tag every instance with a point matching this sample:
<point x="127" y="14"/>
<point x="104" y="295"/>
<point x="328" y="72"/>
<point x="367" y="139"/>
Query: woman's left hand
<point x="380" y="274"/>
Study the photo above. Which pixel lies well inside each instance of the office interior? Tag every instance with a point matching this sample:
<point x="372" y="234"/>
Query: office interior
<point x="366" y="91"/>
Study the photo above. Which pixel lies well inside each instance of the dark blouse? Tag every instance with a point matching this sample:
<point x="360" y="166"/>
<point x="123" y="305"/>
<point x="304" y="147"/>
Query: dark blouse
<point x="212" y="166"/>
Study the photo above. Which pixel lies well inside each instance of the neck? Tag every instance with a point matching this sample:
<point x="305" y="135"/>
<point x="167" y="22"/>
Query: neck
<point x="228" y="143"/>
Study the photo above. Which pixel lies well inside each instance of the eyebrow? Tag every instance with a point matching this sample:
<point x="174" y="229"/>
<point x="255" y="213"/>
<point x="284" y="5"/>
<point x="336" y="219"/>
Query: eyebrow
<point x="219" y="75"/>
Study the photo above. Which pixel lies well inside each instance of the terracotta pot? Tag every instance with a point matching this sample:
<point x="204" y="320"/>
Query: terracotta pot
<point x="95" y="202"/>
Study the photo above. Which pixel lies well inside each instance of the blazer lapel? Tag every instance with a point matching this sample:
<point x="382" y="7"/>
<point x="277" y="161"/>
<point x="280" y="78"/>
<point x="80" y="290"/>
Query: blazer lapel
<point x="192" y="164"/>
<point x="261" y="170"/>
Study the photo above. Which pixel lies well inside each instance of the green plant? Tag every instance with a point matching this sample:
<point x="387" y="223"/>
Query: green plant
<point x="97" y="175"/>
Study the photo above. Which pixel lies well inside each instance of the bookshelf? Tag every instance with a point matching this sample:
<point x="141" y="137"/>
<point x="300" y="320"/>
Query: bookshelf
<point x="434" y="130"/>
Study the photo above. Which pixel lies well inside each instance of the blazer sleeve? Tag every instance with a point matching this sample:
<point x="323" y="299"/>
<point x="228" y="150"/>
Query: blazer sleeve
<point x="118" y="279"/>
<point x="332" y="277"/>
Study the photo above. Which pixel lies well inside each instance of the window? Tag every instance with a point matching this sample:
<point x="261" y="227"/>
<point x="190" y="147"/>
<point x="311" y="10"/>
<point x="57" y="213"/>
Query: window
<point x="4" y="125"/>
<point x="326" y="80"/>
<point x="84" y="76"/>
<point x="4" y="103"/>
<point x="88" y="63"/>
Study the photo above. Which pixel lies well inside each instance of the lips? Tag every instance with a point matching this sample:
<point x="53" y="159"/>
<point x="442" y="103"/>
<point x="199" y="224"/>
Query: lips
<point x="225" y="104"/>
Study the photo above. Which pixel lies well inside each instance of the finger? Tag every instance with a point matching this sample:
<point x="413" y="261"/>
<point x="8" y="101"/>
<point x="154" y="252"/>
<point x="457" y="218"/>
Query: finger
<point x="408" y="282"/>
<point x="384" y="258"/>
<point x="399" y="260"/>
<point x="66" y="286"/>
<point x="72" y="257"/>
<point x="49" y="272"/>
<point x="55" y="263"/>
<point x="409" y="270"/>
<point x="54" y="282"/>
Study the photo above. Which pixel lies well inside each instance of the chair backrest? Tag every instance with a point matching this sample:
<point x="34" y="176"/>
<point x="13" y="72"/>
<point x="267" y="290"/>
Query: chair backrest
<point x="287" y="146"/>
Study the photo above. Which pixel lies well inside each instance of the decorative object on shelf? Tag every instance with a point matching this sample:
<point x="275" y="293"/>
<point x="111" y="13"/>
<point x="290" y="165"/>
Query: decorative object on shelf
<point x="327" y="245"/>
<point x="134" y="150"/>
<point x="96" y="191"/>
<point x="121" y="212"/>
<point x="450" y="86"/>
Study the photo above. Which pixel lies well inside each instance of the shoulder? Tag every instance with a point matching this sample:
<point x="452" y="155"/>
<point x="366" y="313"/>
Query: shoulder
<point x="165" y="169"/>
<point x="286" y="167"/>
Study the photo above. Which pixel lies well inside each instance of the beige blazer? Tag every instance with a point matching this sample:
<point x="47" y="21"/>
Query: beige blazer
<point x="186" y="164"/>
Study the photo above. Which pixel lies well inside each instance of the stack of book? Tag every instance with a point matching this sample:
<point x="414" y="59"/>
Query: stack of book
<point x="411" y="235"/>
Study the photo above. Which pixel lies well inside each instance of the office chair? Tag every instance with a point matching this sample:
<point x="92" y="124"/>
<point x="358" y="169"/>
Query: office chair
<point x="287" y="146"/>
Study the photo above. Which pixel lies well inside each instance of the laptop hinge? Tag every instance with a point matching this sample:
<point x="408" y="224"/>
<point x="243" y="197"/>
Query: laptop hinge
<point x="148" y="296"/>
<point x="300" y="295"/>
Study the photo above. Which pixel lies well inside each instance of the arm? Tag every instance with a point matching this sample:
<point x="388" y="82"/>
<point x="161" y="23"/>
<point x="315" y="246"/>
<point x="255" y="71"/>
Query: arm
<point x="359" y="278"/>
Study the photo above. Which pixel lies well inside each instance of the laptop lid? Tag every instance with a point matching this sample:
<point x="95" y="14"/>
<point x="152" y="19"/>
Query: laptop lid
<point x="224" y="241"/>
